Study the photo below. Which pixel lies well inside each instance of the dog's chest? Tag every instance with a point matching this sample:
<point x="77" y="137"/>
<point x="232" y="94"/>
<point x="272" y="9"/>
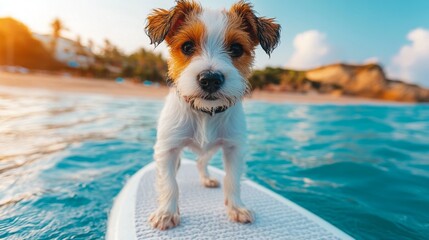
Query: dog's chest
<point x="207" y="132"/>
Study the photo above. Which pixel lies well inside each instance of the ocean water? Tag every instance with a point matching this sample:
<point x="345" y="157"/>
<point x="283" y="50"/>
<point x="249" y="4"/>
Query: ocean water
<point x="64" y="157"/>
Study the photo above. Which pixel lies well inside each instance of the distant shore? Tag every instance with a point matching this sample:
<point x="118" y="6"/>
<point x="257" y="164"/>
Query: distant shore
<point x="129" y="89"/>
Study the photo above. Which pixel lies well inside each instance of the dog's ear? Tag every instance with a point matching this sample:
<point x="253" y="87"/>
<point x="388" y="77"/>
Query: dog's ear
<point x="162" y="23"/>
<point x="262" y="30"/>
<point x="268" y="34"/>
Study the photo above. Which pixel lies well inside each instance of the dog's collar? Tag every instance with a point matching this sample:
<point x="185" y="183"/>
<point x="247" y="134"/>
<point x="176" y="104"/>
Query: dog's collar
<point x="214" y="111"/>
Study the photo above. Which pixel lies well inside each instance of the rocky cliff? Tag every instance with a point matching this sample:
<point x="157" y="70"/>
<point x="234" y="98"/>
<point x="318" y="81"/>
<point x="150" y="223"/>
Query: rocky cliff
<point x="367" y="81"/>
<point x="341" y="79"/>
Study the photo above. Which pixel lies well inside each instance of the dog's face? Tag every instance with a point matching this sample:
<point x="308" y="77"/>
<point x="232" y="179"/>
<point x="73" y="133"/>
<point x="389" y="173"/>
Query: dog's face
<point x="211" y="52"/>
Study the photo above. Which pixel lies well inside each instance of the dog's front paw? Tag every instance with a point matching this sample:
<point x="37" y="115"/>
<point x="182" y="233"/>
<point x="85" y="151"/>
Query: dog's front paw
<point x="163" y="220"/>
<point x="210" y="182"/>
<point x="240" y="214"/>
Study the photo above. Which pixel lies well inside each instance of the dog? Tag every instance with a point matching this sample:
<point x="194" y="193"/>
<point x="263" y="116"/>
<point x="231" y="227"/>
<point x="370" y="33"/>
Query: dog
<point x="211" y="57"/>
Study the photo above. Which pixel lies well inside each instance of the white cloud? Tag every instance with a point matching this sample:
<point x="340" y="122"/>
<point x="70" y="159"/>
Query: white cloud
<point x="311" y="49"/>
<point x="411" y="63"/>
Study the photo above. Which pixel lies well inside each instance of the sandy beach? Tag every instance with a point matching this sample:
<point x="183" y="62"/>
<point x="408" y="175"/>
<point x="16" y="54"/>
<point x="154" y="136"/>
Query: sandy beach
<point x="128" y="88"/>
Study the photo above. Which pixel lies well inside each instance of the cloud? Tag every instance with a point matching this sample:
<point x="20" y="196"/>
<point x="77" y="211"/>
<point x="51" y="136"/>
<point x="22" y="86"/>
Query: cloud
<point x="311" y="49"/>
<point x="411" y="63"/>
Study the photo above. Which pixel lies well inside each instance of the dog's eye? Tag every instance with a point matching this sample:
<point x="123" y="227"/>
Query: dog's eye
<point x="188" y="48"/>
<point x="236" y="50"/>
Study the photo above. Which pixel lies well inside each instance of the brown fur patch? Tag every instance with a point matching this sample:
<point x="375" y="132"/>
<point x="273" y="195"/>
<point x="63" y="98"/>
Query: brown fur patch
<point x="158" y="25"/>
<point x="192" y="30"/>
<point x="260" y="29"/>
<point x="268" y="34"/>
<point x="177" y="26"/>
<point x="248" y="21"/>
<point x="162" y="23"/>
<point x="236" y="33"/>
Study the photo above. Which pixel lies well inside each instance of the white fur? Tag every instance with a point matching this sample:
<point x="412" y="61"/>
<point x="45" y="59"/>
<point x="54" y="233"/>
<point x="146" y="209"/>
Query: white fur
<point x="181" y="125"/>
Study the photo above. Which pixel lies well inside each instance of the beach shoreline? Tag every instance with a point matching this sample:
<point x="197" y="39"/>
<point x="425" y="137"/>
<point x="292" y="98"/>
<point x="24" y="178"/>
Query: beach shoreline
<point x="71" y="84"/>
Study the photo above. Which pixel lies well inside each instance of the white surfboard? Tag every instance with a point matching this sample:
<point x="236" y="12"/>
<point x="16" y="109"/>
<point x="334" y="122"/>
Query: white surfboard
<point x="203" y="214"/>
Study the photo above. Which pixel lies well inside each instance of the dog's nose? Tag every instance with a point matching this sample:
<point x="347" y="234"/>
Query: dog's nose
<point x="211" y="81"/>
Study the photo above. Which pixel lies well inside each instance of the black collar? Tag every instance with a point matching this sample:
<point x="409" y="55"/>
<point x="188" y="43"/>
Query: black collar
<point x="214" y="111"/>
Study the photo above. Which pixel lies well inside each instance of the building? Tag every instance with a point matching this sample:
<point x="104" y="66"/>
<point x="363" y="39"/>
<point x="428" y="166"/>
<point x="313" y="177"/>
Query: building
<point x="68" y="51"/>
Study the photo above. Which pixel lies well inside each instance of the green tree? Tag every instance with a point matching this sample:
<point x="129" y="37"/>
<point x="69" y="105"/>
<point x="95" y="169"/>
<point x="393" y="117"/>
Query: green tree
<point x="27" y="51"/>
<point x="146" y="65"/>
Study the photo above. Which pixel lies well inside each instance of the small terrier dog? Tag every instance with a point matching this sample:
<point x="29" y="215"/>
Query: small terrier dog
<point x="211" y="57"/>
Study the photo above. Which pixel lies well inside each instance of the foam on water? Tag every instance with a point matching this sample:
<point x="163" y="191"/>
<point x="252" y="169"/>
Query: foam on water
<point x="63" y="158"/>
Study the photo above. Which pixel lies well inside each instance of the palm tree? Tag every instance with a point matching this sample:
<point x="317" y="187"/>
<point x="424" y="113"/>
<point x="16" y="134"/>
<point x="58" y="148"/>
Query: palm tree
<point x="80" y="51"/>
<point x="91" y="46"/>
<point x="57" y="27"/>
<point x="79" y="47"/>
<point x="107" y="49"/>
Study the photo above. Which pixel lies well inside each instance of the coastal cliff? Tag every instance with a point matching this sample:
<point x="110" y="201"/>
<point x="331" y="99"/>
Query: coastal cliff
<point x="366" y="80"/>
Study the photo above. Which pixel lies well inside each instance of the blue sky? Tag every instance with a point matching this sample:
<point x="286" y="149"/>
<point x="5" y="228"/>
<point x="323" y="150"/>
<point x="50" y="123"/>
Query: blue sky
<point x="315" y="32"/>
<point x="357" y="29"/>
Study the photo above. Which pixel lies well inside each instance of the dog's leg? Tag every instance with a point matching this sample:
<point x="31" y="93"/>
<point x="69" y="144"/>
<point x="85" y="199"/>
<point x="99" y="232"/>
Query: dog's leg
<point x="167" y="214"/>
<point x="202" y="163"/>
<point x="233" y="163"/>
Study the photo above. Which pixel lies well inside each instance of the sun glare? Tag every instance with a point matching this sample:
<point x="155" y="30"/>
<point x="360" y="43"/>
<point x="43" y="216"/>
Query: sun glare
<point x="35" y="14"/>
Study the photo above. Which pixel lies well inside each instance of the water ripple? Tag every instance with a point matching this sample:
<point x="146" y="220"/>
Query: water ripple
<point x="64" y="158"/>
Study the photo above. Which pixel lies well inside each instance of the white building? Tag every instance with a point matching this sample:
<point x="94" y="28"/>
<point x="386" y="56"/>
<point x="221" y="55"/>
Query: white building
<point x="68" y="51"/>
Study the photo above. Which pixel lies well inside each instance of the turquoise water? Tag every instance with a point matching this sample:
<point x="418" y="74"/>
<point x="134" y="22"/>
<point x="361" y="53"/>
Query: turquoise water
<point x="63" y="158"/>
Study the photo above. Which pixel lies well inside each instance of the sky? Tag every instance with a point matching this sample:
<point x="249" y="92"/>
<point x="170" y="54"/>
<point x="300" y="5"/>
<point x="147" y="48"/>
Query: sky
<point x="394" y="33"/>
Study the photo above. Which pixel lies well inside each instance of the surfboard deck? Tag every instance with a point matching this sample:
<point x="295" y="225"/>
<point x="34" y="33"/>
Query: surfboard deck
<point x="203" y="214"/>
